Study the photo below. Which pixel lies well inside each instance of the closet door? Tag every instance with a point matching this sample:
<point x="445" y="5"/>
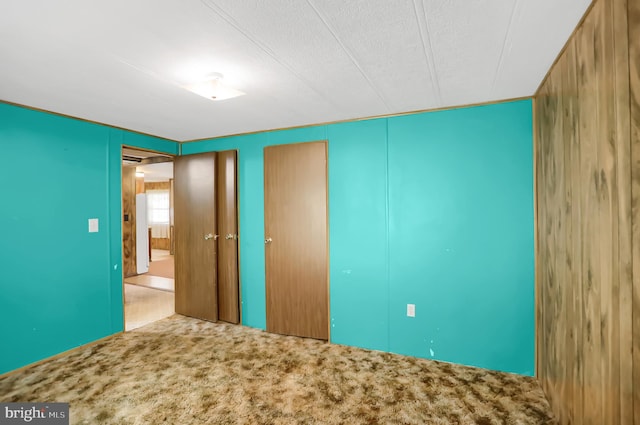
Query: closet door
<point x="195" y="236"/>
<point x="295" y="179"/>
<point x="228" y="285"/>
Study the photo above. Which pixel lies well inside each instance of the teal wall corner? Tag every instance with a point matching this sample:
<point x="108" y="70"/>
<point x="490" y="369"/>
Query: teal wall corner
<point x="461" y="236"/>
<point x="61" y="285"/>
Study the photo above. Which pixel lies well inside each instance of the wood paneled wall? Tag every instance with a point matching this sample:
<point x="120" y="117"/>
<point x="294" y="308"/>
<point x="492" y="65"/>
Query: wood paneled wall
<point x="139" y="185"/>
<point x="588" y="219"/>
<point x="634" y="83"/>
<point x="129" y="267"/>
<point x="157" y="186"/>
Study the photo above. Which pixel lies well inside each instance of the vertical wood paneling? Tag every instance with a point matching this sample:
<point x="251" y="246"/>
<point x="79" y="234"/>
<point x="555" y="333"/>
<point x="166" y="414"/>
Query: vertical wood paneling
<point x="560" y="229"/>
<point x="157" y="186"/>
<point x="160" y="243"/>
<point x="554" y="186"/>
<point x="129" y="267"/>
<point x="622" y="76"/>
<point x="634" y="65"/>
<point x="588" y="113"/>
<point x="587" y="191"/>
<point x="573" y="311"/>
<point x="547" y="305"/>
<point x="574" y="248"/>
<point x="608" y="218"/>
<point x="541" y="137"/>
<point x="139" y="185"/>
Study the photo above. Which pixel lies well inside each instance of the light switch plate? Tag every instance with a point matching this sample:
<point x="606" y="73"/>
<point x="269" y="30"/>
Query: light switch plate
<point x="411" y="310"/>
<point x="93" y="225"/>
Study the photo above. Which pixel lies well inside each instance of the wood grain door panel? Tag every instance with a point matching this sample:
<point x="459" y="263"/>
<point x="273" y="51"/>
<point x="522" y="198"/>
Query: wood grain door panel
<point x="194" y="217"/>
<point x="227" y="211"/>
<point x="295" y="178"/>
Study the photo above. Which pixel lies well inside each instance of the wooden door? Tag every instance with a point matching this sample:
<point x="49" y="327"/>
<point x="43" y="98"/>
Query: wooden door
<point x="295" y="179"/>
<point x="228" y="285"/>
<point x="195" y="236"/>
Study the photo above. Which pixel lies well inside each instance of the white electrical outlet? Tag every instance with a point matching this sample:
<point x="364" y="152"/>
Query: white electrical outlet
<point x="93" y="225"/>
<point x="411" y="310"/>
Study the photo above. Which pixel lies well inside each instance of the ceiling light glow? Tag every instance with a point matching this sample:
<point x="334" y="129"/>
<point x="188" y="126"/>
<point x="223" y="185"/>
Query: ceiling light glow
<point x="214" y="89"/>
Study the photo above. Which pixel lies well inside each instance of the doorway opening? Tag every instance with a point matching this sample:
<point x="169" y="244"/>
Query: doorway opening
<point x="147" y="237"/>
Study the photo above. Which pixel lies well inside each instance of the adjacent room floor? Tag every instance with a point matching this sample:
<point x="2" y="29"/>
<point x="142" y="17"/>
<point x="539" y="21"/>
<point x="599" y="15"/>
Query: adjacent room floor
<point x="146" y="305"/>
<point x="150" y="296"/>
<point x="186" y="371"/>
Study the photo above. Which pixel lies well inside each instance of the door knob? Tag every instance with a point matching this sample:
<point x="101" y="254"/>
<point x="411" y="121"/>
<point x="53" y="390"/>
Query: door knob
<point x="230" y="236"/>
<point x="210" y="236"/>
<point x="268" y="240"/>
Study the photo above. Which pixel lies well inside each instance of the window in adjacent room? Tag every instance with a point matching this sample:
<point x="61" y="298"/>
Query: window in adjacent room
<point x="158" y="213"/>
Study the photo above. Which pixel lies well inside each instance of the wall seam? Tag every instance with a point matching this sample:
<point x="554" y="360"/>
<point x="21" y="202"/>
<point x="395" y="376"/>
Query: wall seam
<point x="108" y="232"/>
<point x="635" y="388"/>
<point x="387" y="236"/>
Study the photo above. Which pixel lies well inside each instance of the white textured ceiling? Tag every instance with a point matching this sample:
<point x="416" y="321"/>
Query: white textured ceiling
<point x="123" y="62"/>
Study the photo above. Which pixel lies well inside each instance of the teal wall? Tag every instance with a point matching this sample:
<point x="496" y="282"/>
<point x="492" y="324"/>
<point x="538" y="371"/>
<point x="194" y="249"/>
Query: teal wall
<point x="61" y="286"/>
<point x="433" y="209"/>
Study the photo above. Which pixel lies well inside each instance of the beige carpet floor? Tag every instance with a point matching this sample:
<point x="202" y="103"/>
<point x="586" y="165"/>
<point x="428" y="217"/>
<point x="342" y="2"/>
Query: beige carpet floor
<point x="186" y="371"/>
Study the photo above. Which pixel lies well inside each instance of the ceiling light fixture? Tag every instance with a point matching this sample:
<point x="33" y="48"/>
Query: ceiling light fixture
<point x="213" y="88"/>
